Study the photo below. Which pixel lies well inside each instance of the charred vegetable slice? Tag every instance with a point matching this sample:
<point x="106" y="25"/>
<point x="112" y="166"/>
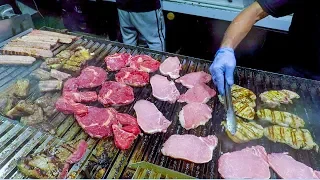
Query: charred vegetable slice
<point x="23" y="108"/>
<point x="21" y="88"/>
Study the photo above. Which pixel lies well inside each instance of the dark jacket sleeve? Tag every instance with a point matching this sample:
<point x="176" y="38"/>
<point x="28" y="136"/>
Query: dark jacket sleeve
<point x="278" y="8"/>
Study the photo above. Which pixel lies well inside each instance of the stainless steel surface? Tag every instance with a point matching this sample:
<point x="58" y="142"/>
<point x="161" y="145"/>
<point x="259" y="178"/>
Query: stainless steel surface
<point x="6" y="11"/>
<point x="231" y="117"/>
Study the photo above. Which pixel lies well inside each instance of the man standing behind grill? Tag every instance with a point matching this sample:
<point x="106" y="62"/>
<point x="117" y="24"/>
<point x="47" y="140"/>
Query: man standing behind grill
<point x="142" y="19"/>
<point x="304" y="34"/>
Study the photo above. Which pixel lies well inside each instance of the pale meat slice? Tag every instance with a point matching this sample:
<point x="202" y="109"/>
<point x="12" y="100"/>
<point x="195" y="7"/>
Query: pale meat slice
<point x="192" y="79"/>
<point x="132" y="77"/>
<point x="190" y="147"/>
<point x="144" y="63"/>
<point x="288" y="168"/>
<point x="149" y="118"/>
<point x="97" y="123"/>
<point x="193" y="115"/>
<point x="317" y="173"/>
<point x="171" y="67"/>
<point x="248" y="163"/>
<point x="115" y="93"/>
<point x="163" y="89"/>
<point x="198" y="94"/>
<point x="117" y="61"/>
<point x="91" y="76"/>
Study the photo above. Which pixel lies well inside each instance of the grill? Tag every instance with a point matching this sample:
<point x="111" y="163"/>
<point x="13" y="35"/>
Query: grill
<point x="104" y="160"/>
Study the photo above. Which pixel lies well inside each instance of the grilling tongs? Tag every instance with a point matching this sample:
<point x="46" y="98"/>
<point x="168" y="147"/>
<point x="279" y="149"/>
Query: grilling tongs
<point x="231" y="117"/>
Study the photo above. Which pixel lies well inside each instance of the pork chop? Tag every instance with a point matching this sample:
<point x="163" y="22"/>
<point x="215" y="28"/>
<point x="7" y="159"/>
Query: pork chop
<point x="190" y="147"/>
<point x="317" y="173"/>
<point x="91" y="76"/>
<point x="97" y="123"/>
<point x="194" y="114"/>
<point x="171" y="67"/>
<point x="71" y="85"/>
<point x="132" y="77"/>
<point x="198" y="94"/>
<point x="194" y="78"/>
<point x="88" y="96"/>
<point x="248" y="163"/>
<point x="115" y="93"/>
<point x="117" y="61"/>
<point x="68" y="106"/>
<point x="122" y="139"/>
<point x="163" y="89"/>
<point x="288" y="168"/>
<point x="144" y="63"/>
<point x="149" y="118"/>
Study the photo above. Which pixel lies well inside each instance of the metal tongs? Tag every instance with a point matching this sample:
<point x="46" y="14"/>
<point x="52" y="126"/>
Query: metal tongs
<point x="231" y="117"/>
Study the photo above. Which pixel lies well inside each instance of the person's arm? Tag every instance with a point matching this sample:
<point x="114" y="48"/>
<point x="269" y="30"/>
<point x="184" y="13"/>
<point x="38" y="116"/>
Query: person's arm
<point x="242" y="24"/>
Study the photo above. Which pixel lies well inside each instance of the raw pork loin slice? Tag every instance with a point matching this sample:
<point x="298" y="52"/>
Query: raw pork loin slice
<point x="171" y="67"/>
<point x="249" y="163"/>
<point x="190" y="147"/>
<point x="163" y="89"/>
<point x="194" y="78"/>
<point x="91" y="76"/>
<point x="144" y="63"/>
<point x="71" y="85"/>
<point x="194" y="114"/>
<point x="198" y="94"/>
<point x="122" y="138"/>
<point x="115" y="93"/>
<point x="150" y="119"/>
<point x="68" y="106"/>
<point x="97" y="123"/>
<point x="117" y="61"/>
<point x="132" y="77"/>
<point x="89" y="96"/>
<point x="288" y="168"/>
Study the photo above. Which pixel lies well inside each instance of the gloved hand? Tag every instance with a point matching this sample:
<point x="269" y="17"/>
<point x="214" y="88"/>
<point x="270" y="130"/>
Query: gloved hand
<point x="223" y="65"/>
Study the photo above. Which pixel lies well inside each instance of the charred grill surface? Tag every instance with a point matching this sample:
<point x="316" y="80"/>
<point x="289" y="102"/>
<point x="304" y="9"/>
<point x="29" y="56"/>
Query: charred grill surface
<point x="104" y="160"/>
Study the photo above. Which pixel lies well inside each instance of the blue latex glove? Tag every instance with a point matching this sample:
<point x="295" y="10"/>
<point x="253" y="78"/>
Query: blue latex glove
<point x="223" y="65"/>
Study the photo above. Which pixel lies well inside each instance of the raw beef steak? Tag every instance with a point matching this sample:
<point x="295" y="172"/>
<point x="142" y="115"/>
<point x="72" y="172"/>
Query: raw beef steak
<point x="144" y="63"/>
<point x="150" y="119"/>
<point x="91" y="76"/>
<point x="200" y="93"/>
<point x="128" y="123"/>
<point x="190" y="147"/>
<point x="132" y="77"/>
<point x="71" y="85"/>
<point x="97" y="123"/>
<point x="171" y="67"/>
<point x="89" y="96"/>
<point x="194" y="78"/>
<point x="115" y="93"/>
<point x="163" y="89"/>
<point x="117" y="61"/>
<point x="288" y="168"/>
<point x="194" y="114"/>
<point x="122" y="139"/>
<point x="249" y="163"/>
<point x="68" y="106"/>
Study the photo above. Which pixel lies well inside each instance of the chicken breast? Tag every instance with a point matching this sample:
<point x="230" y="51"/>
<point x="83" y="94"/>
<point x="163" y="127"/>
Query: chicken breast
<point x="274" y="98"/>
<point x="280" y="118"/>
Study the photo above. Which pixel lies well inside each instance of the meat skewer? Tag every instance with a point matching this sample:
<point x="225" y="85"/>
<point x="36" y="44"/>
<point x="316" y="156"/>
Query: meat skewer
<point x="26" y="51"/>
<point x="39" y="45"/>
<point x="16" y="60"/>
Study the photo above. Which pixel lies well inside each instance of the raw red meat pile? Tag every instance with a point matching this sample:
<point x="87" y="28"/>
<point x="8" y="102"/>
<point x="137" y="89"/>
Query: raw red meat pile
<point x="105" y="122"/>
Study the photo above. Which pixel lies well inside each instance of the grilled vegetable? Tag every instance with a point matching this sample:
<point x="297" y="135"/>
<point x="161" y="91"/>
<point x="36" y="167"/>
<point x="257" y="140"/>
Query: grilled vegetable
<point x="47" y="103"/>
<point x="21" y="88"/>
<point x="71" y="68"/>
<point x="244" y="110"/>
<point x="246" y="131"/>
<point x="274" y="98"/>
<point x="36" y="117"/>
<point x="23" y="108"/>
<point x="281" y="118"/>
<point x="59" y="75"/>
<point x="40" y="74"/>
<point x="65" y="54"/>
<point x="50" y="85"/>
<point x="55" y="60"/>
<point x="295" y="138"/>
<point x="7" y="103"/>
<point x="81" y="54"/>
<point x="239" y="92"/>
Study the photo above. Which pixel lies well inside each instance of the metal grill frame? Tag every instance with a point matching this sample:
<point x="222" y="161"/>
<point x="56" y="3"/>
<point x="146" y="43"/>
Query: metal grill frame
<point x="147" y="148"/>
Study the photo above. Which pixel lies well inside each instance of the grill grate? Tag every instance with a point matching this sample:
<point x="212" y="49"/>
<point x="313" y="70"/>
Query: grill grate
<point x="104" y="160"/>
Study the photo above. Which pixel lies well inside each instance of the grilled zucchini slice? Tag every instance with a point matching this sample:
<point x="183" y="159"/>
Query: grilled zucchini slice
<point x="280" y="118"/>
<point x="295" y="138"/>
<point x="246" y="131"/>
